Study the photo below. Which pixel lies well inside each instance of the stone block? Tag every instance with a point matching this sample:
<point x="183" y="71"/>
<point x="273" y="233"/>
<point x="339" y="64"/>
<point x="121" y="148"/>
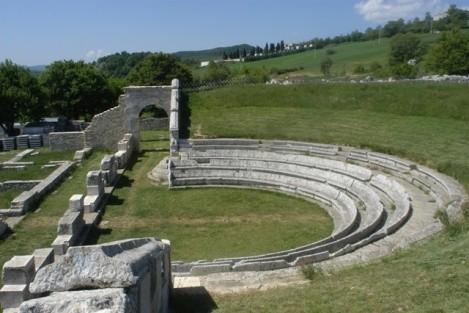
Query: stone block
<point x="61" y="244"/>
<point x="114" y="265"/>
<point x="43" y="257"/>
<point x="19" y="270"/>
<point x="97" y="191"/>
<point x="76" y="203"/>
<point x="11" y="296"/>
<point x="113" y="300"/>
<point x="106" y="162"/>
<point x="94" y="178"/>
<point x="91" y="203"/>
<point x="71" y="224"/>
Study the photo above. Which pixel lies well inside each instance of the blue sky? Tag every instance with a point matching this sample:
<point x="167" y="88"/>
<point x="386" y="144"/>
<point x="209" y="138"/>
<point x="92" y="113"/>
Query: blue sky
<point x="40" y="31"/>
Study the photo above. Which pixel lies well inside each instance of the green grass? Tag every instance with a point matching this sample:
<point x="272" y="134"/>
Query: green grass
<point x="39" y="228"/>
<point x="7" y="155"/>
<point x="424" y="122"/>
<point x="35" y="172"/>
<point x="207" y="223"/>
<point x="45" y="156"/>
<point x="7" y="196"/>
<point x="31" y="172"/>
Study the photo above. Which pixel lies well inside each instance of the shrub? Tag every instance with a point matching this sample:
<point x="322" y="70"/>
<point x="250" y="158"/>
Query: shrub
<point x="359" y="69"/>
<point x="326" y="66"/>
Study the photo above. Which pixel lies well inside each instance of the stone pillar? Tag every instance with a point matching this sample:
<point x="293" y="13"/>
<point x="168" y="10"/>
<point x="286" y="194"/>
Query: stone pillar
<point x="174" y="117"/>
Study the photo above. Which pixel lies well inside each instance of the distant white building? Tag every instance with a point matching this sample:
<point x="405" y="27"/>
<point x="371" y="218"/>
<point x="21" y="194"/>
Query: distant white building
<point x="204" y="63"/>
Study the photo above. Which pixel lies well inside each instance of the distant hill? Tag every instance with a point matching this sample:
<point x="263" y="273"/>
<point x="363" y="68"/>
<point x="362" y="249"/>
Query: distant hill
<point x="210" y="54"/>
<point x="37" y="68"/>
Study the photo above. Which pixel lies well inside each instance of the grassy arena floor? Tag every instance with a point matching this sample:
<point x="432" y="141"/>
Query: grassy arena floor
<point x="424" y="122"/>
<point x="207" y="223"/>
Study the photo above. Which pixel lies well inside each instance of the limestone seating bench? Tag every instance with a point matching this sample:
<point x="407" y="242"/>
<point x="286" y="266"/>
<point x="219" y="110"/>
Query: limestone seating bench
<point x="277" y="145"/>
<point x="365" y="194"/>
<point x="351" y="170"/>
<point x="276" y="260"/>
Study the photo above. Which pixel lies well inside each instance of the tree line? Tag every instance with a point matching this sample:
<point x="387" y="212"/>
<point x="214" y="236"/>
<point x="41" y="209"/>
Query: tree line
<point x="454" y="18"/>
<point x="76" y="89"/>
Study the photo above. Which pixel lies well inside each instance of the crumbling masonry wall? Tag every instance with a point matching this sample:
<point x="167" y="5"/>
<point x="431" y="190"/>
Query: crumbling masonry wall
<point x="108" y="127"/>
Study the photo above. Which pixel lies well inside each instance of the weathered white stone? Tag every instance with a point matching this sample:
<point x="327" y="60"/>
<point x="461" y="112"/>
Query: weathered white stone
<point x="76" y="203"/>
<point x="19" y="270"/>
<point x="43" y="257"/>
<point x="115" y="265"/>
<point x="113" y="300"/>
<point x="11" y="296"/>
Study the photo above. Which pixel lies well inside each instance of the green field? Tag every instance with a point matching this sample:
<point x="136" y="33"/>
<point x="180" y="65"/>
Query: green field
<point x="207" y="223"/>
<point x="424" y="122"/>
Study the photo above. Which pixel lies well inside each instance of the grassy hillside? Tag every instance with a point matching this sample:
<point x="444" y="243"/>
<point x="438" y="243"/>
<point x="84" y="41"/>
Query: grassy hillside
<point x="424" y="122"/>
<point x="345" y="58"/>
<point x="210" y="54"/>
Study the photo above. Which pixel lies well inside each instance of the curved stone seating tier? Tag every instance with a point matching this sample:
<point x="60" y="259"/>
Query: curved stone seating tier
<point x="366" y="200"/>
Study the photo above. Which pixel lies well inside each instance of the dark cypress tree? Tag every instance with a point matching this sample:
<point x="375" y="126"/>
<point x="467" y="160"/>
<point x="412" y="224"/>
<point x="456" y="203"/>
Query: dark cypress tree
<point x="272" y="48"/>
<point x="245" y="54"/>
<point x="266" y="49"/>
<point x="282" y="45"/>
<point x="225" y="56"/>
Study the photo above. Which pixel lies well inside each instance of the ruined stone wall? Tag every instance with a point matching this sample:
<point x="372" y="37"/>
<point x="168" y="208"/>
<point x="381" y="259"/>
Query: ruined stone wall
<point x="64" y="141"/>
<point x="106" y="129"/>
<point x="154" y="123"/>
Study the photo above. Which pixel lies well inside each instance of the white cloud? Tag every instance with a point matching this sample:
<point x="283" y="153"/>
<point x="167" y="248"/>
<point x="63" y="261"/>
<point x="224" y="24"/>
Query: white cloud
<point x="93" y="55"/>
<point x="385" y="10"/>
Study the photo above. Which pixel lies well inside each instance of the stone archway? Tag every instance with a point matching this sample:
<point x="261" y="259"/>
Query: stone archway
<point x="107" y="128"/>
<point x="136" y="99"/>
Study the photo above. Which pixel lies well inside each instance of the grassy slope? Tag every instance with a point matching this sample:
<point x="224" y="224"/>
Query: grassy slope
<point x="347" y="56"/>
<point x="424" y="122"/>
<point x="39" y="228"/>
<point x="207" y="223"/>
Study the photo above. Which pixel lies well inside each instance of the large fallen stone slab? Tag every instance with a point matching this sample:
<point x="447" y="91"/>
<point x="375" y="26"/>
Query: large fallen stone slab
<point x="114" y="265"/>
<point x="89" y="301"/>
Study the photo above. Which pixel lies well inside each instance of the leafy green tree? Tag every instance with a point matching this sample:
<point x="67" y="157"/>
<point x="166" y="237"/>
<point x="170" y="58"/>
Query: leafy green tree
<point x="217" y="71"/>
<point x="20" y="96"/>
<point x="159" y="69"/>
<point x="406" y="51"/>
<point x="326" y="66"/>
<point x="405" y="47"/>
<point x="77" y="89"/>
<point x="449" y="54"/>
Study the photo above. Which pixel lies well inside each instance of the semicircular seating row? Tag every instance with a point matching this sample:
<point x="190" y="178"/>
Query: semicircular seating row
<point x="364" y="204"/>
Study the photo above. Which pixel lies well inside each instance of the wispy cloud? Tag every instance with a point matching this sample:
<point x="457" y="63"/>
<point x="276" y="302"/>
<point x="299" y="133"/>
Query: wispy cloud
<point x="93" y="55"/>
<point x="385" y="10"/>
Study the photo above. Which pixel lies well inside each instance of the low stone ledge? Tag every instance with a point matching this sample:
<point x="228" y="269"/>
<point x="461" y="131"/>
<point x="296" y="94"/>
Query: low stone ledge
<point x="210" y="269"/>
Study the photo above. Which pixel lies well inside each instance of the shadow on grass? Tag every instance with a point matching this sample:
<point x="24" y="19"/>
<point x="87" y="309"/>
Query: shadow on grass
<point x="192" y="300"/>
<point x="6" y="234"/>
<point x="95" y="233"/>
